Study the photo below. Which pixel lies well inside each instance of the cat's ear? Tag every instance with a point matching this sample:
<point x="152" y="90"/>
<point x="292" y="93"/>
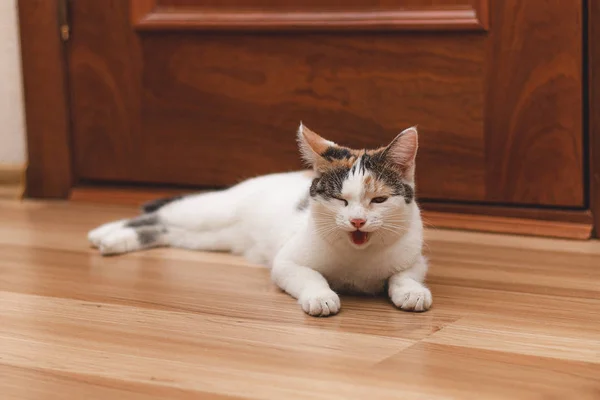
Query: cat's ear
<point x="402" y="151"/>
<point x="311" y="147"/>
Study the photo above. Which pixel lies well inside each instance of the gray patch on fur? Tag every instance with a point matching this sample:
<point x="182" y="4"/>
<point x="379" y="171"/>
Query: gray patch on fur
<point x="150" y="235"/>
<point x="386" y="172"/>
<point x="142" y="220"/>
<point x="303" y="204"/>
<point x="409" y="193"/>
<point x="329" y="185"/>
<point x="336" y="153"/>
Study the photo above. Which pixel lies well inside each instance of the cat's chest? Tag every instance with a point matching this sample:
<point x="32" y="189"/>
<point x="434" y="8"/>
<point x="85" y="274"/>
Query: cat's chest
<point x="358" y="274"/>
<point x="357" y="282"/>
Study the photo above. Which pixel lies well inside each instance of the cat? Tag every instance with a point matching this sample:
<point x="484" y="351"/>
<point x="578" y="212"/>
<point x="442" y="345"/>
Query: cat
<point x="350" y="224"/>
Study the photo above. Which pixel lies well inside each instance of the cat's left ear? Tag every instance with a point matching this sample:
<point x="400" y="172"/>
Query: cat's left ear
<point x="402" y="151"/>
<point x="311" y="147"/>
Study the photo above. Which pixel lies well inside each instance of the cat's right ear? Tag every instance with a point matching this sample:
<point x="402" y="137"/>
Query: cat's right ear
<point x="311" y="147"/>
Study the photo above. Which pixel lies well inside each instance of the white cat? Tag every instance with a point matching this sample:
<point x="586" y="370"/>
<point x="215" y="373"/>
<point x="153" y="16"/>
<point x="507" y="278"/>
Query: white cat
<point x="350" y="225"/>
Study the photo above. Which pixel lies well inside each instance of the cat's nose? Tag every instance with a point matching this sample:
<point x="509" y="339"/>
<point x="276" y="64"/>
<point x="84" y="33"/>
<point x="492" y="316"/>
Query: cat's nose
<point x="358" y="222"/>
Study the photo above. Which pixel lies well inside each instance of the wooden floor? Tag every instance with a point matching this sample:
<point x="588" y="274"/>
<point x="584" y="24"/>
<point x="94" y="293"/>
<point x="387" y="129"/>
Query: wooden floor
<point x="512" y="318"/>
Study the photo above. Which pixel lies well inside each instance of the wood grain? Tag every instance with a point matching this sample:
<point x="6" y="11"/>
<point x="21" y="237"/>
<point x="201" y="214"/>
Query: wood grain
<point x="492" y="369"/>
<point x="253" y="91"/>
<point x="544" y="214"/>
<point x="534" y="131"/>
<point x="440" y="15"/>
<point x="106" y="82"/>
<point x="518" y="226"/>
<point x="49" y="172"/>
<point x="593" y="93"/>
<point x="499" y="114"/>
<point x="520" y="314"/>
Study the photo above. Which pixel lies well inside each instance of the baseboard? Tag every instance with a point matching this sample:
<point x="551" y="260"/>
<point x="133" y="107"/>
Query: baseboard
<point x="511" y="225"/>
<point x="529" y="221"/>
<point x="12" y="181"/>
<point x="556" y="224"/>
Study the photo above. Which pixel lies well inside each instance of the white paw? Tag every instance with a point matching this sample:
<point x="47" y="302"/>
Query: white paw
<point x="95" y="236"/>
<point x="321" y="303"/>
<point x="120" y="241"/>
<point x="411" y="296"/>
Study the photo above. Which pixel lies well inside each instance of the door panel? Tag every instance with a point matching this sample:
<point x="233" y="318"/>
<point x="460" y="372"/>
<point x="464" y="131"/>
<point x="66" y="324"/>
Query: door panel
<point x="313" y="14"/>
<point x="499" y="112"/>
<point x="318" y="5"/>
<point x="534" y="130"/>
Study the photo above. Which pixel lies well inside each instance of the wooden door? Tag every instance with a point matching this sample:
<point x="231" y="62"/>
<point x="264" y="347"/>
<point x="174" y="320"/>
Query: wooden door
<point x="207" y="92"/>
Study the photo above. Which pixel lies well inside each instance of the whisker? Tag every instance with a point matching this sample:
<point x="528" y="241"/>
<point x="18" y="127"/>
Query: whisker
<point x="396" y="232"/>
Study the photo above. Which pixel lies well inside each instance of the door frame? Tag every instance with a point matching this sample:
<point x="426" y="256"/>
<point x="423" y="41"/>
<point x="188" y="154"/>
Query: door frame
<point x="45" y="75"/>
<point x="51" y="173"/>
<point x="592" y="99"/>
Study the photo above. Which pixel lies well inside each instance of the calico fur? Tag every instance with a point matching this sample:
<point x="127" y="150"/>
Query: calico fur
<point x="304" y="225"/>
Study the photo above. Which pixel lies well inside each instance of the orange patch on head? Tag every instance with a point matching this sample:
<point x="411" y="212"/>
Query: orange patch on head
<point x="369" y="184"/>
<point x="374" y="151"/>
<point x="375" y="187"/>
<point x="346" y="163"/>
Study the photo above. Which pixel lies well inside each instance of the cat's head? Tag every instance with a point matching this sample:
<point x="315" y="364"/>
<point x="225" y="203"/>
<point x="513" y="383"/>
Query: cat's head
<point x="361" y="196"/>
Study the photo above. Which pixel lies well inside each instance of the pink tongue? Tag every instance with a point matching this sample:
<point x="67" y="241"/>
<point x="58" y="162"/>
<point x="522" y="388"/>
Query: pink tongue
<point x="359" y="237"/>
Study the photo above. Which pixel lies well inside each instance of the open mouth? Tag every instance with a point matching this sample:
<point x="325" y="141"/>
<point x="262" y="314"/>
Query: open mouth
<point x="359" y="237"/>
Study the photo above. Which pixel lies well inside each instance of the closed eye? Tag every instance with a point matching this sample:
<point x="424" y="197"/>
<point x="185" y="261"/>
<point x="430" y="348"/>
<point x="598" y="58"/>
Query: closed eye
<point x="343" y="200"/>
<point x="378" y="200"/>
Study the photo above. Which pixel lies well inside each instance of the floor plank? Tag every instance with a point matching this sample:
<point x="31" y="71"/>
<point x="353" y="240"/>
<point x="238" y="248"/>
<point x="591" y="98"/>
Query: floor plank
<point x="470" y="373"/>
<point x="513" y="317"/>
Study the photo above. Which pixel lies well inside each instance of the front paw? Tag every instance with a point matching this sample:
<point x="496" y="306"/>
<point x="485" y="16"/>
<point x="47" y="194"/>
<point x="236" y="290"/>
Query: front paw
<point x="411" y="296"/>
<point x="322" y="303"/>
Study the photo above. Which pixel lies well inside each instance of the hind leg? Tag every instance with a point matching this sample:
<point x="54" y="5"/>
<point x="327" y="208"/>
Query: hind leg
<point x="124" y="236"/>
<point x="210" y="211"/>
<point x="225" y="239"/>
<point x="200" y="222"/>
<point x="127" y="239"/>
<point x="151" y="230"/>
<point x="130" y="238"/>
<point x="95" y="236"/>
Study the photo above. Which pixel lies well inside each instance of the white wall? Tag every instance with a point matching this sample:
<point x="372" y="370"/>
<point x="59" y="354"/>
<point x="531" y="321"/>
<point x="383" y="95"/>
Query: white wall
<point x="12" y="125"/>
